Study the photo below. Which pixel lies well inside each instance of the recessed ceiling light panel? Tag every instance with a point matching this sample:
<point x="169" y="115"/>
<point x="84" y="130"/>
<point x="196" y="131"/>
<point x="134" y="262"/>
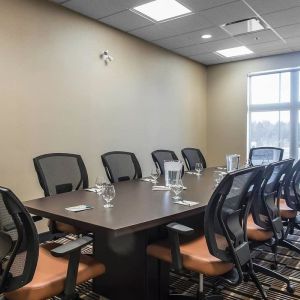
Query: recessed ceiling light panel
<point x="236" y="51"/>
<point x="161" y="10"/>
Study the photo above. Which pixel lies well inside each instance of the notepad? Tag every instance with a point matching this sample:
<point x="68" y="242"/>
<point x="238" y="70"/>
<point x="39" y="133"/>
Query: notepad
<point x="94" y="190"/>
<point x="163" y="188"/>
<point x="147" y="179"/>
<point x="79" y="208"/>
<point x="160" y="188"/>
<point x="185" y="202"/>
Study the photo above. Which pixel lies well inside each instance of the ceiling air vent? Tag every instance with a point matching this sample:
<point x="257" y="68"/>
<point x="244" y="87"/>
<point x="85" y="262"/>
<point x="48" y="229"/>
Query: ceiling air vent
<point x="244" y="26"/>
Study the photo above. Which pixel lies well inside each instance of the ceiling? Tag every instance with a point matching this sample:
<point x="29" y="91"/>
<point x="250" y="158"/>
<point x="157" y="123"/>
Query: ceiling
<point x="183" y="35"/>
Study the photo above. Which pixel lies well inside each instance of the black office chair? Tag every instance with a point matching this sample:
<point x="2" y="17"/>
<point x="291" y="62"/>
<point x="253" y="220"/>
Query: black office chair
<point x="159" y="156"/>
<point x="121" y="166"/>
<point x="28" y="271"/>
<point x="192" y="156"/>
<point x="265" y="226"/>
<point x="265" y="155"/>
<point x="223" y="251"/>
<point x="61" y="173"/>
<point x="289" y="204"/>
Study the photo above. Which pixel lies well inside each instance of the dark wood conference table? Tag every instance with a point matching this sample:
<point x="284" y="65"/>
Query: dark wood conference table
<point x="122" y="233"/>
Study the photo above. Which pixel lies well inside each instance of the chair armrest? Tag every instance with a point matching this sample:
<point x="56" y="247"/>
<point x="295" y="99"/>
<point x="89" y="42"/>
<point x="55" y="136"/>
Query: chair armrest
<point x="71" y="246"/>
<point x="36" y="218"/>
<point x="179" y="228"/>
<point x="174" y="229"/>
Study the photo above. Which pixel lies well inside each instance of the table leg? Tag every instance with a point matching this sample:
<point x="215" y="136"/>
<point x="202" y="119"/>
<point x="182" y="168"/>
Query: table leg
<point x="125" y="259"/>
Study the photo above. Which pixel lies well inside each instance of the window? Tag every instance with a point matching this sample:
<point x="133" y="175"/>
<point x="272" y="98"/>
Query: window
<point x="274" y="110"/>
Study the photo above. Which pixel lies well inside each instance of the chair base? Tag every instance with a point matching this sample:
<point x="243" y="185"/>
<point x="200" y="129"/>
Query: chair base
<point x="289" y="287"/>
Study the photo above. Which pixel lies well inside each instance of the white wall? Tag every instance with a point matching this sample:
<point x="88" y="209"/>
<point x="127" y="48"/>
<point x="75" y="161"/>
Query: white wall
<point x="58" y="96"/>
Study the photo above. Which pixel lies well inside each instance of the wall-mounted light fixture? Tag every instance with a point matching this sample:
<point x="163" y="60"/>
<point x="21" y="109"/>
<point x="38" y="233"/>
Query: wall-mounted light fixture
<point x="106" y="57"/>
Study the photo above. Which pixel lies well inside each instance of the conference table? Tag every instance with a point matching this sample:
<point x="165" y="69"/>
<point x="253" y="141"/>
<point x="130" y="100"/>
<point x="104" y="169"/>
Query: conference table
<point x="122" y="233"/>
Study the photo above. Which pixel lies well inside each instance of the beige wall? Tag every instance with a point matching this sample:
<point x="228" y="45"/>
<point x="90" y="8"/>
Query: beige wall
<point x="227" y="103"/>
<point x="58" y="96"/>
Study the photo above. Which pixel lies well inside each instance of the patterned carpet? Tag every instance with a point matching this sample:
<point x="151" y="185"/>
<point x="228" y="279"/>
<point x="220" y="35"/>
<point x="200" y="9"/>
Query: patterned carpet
<point x="289" y="265"/>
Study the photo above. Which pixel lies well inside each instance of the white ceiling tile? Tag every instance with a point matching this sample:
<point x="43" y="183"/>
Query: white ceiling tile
<point x="192" y="38"/>
<point x="183" y="35"/>
<point x="97" y="9"/>
<point x="197" y="5"/>
<point x="228" y="13"/>
<point x="284" y="17"/>
<point x="208" y="58"/>
<point x="289" y="31"/>
<point x="174" y="27"/>
<point x="126" y="20"/>
<point x="268" y="6"/>
<point x="208" y="47"/>
<point x="296" y="48"/>
<point x="258" y="37"/>
<point x="270" y="46"/>
<point x="275" y="52"/>
<point x="293" y="43"/>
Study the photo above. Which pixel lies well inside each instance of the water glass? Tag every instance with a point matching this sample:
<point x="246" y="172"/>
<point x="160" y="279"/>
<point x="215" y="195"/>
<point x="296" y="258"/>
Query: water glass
<point x="108" y="195"/>
<point x="247" y="163"/>
<point x="176" y="188"/>
<point x="198" y="168"/>
<point x="155" y="173"/>
<point x="100" y="184"/>
<point x="218" y="176"/>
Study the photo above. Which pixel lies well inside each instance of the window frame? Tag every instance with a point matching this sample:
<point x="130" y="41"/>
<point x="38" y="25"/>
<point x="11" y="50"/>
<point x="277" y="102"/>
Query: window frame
<point x="293" y="106"/>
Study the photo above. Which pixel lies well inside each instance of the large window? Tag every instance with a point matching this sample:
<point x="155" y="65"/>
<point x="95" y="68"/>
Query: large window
<point x="274" y="110"/>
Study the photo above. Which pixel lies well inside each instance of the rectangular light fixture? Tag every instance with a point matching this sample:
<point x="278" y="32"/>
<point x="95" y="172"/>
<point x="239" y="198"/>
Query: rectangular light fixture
<point x="236" y="51"/>
<point x="161" y="10"/>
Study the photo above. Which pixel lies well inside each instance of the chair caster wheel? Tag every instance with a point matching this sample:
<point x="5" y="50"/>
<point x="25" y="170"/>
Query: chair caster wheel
<point x="290" y="289"/>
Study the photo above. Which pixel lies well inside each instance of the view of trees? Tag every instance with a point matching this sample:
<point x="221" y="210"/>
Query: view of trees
<point x="265" y="133"/>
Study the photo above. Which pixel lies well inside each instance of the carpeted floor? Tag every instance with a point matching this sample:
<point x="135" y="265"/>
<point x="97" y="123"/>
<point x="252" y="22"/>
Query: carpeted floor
<point x="289" y="265"/>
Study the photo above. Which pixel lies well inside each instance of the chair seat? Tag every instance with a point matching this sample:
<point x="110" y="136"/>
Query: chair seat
<point x="285" y="211"/>
<point x="195" y="256"/>
<point x="50" y="275"/>
<point x="257" y="233"/>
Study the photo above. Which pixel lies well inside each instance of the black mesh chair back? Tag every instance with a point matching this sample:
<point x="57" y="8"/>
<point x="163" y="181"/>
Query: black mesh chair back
<point x="225" y="218"/>
<point x="192" y="156"/>
<point x="292" y="187"/>
<point x="159" y="156"/>
<point x="265" y="155"/>
<point x="19" y="246"/>
<point x="61" y="173"/>
<point x="265" y="209"/>
<point x="121" y="166"/>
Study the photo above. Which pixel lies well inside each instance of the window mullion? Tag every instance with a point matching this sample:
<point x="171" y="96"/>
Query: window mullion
<point x="294" y="114"/>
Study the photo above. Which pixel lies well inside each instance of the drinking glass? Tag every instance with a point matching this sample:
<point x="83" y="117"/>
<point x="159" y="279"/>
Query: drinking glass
<point x="100" y="184"/>
<point x="198" y="168"/>
<point x="108" y="195"/>
<point x="247" y="163"/>
<point x="155" y="173"/>
<point x="176" y="188"/>
<point x="217" y="178"/>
